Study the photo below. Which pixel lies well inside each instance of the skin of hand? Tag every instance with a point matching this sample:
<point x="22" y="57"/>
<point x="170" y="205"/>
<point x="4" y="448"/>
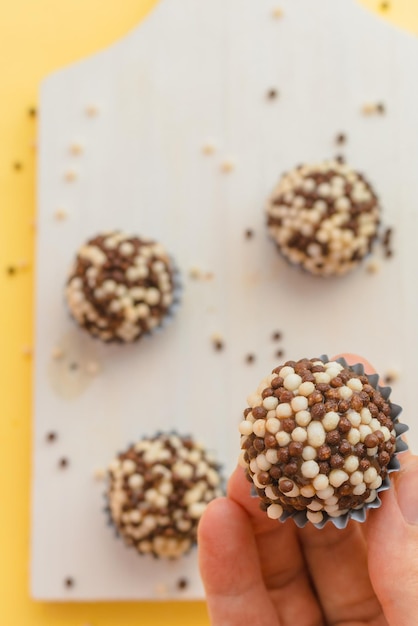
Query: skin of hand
<point x="261" y="572"/>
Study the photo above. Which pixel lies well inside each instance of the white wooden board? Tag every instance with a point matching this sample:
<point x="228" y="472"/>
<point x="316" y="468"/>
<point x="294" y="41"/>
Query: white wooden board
<point x="197" y="72"/>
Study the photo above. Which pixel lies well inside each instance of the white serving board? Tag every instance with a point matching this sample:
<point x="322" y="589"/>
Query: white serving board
<point x="197" y="72"/>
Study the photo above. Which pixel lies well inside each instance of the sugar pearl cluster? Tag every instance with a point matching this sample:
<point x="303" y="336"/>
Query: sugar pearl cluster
<point x="157" y="491"/>
<point x="120" y="287"/>
<point x="323" y="217"/>
<point x="316" y="437"/>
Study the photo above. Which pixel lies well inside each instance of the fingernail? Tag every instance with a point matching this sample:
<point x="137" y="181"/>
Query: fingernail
<point x="407" y="494"/>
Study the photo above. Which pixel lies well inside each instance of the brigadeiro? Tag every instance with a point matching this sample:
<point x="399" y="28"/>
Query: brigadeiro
<point x="121" y="287"/>
<point x="157" y="491"/>
<point x="318" y="441"/>
<point x="324" y="217"/>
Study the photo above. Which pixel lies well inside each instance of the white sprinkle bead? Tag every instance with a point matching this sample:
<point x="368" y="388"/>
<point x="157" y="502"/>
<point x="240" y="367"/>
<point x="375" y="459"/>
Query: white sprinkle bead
<point x="353" y="436"/>
<point x="355" y="384"/>
<point x="351" y="463"/>
<point x="356" y="478"/>
<point x="270" y="493"/>
<point x="270" y="403"/>
<point x="331" y="501"/>
<point x="322" y="377"/>
<point x="366" y="416"/>
<point x="299" y="434"/>
<point x="359" y="489"/>
<point x="325" y="493"/>
<point x="284" y="410"/>
<point x="330" y="420"/>
<point x="283" y="438"/>
<point x="316" y="434"/>
<point x="292" y="382"/>
<point x="299" y="403"/>
<point x="272" y="425"/>
<point x="376" y="483"/>
<point x="245" y="427"/>
<point x="372" y="451"/>
<point x="274" y="511"/>
<point x="315" y="505"/>
<point x="286" y="371"/>
<point x="309" y="469"/>
<point x="320" y="482"/>
<point x="354" y="417"/>
<point x="306" y="388"/>
<point x="345" y="392"/>
<point x="315" y="517"/>
<point x="337" y="477"/>
<point x="385" y="433"/>
<point x="370" y="475"/>
<point x="371" y="497"/>
<point x="254" y="400"/>
<point x="259" y="428"/>
<point x="262" y="463"/>
<point x="303" y="418"/>
<point x="309" y="453"/>
<point x="307" y="491"/>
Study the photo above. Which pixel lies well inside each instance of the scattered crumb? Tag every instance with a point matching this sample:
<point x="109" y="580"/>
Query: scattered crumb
<point x="218" y="342"/>
<point x="277" y="13"/>
<point x="182" y="583"/>
<point x="227" y="166"/>
<point x="60" y="215"/>
<point x="70" y="176"/>
<point x="197" y="274"/>
<point x="250" y="358"/>
<point x="391" y="376"/>
<point x="51" y="437"/>
<point x="249" y="233"/>
<point x="91" y="110"/>
<point x="92" y="368"/>
<point x="373" y="108"/>
<point x="340" y="158"/>
<point x="73" y="366"/>
<point x="63" y="462"/>
<point x="341" y="139"/>
<point x="208" y="148"/>
<point x="160" y="590"/>
<point x="69" y="582"/>
<point x="76" y="149"/>
<point x="277" y="335"/>
<point x="99" y="473"/>
<point x="57" y="353"/>
<point x="384" y="6"/>
<point x="11" y="270"/>
<point x="272" y="94"/>
<point x="32" y="112"/>
<point x="373" y="266"/>
<point x="279" y="354"/>
<point x="17" y="166"/>
<point x="27" y="351"/>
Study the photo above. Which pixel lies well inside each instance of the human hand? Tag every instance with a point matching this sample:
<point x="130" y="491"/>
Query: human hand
<point x="261" y="572"/>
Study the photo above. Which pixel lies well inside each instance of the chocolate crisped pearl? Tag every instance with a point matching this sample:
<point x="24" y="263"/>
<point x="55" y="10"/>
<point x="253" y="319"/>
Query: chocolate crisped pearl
<point x="286" y="486"/>
<point x="295" y="448"/>
<point x="290" y="469"/>
<point x="336" y="461"/>
<point x="314" y="397"/>
<point x="263" y="478"/>
<point x="356" y="403"/>
<point x="344" y="425"/>
<point x="336" y="382"/>
<point x="384" y="458"/>
<point x="283" y="455"/>
<point x="308" y="377"/>
<point x="246" y="411"/>
<point x="331" y="405"/>
<point x="258" y="444"/>
<point x="259" y="412"/>
<point x="317" y="411"/>
<point x="345" y="490"/>
<point x="288" y="425"/>
<point x="345" y="448"/>
<point x="275" y="472"/>
<point x="270" y="441"/>
<point x="364" y="464"/>
<point x="324" y="453"/>
<point x="323" y="387"/>
<point x="333" y="438"/>
<point x="360" y="450"/>
<point x="267" y="392"/>
<point x="324" y="467"/>
<point x="284" y="395"/>
<point x="276" y="382"/>
<point x="371" y="441"/>
<point x="252" y="452"/>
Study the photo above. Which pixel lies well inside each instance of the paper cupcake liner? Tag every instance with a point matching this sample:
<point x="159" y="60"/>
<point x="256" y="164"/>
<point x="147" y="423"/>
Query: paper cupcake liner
<point x="360" y="514"/>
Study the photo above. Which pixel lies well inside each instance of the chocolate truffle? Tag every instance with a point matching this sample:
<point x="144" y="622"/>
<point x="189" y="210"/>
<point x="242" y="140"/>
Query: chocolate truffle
<point x="317" y="438"/>
<point x="121" y="287"/>
<point x="157" y="491"/>
<point x="324" y="217"/>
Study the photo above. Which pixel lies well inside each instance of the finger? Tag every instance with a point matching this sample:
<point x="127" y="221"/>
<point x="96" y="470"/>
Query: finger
<point x="283" y="567"/>
<point x="230" y="567"/>
<point x="393" y="545"/>
<point x="337" y="561"/>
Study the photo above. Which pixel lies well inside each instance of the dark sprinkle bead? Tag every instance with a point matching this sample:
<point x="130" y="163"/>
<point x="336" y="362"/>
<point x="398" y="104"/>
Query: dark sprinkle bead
<point x="344" y="425"/>
<point x="275" y="472"/>
<point x="258" y="444"/>
<point x="317" y="411"/>
<point x="270" y="441"/>
<point x="324" y="453"/>
<point x="263" y="478"/>
<point x="285" y="486"/>
<point x="333" y="438"/>
<point x="288" y="425"/>
<point x="345" y="448"/>
<point x="364" y="464"/>
<point x="283" y="455"/>
<point x="371" y="441"/>
<point x="384" y="458"/>
<point x="259" y="412"/>
<point x="295" y="448"/>
<point x="324" y="467"/>
<point x="336" y="461"/>
<point x="290" y="469"/>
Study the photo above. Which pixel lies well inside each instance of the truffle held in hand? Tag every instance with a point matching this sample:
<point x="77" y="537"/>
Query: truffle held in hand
<point x="323" y="217"/>
<point x="121" y="287"/>
<point x="318" y="440"/>
<point x="157" y="491"/>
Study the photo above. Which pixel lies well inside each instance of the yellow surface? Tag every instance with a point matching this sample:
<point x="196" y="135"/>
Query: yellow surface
<point x="36" y="38"/>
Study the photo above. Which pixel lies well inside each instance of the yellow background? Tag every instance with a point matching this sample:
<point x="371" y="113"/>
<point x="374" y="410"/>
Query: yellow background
<point x="35" y="39"/>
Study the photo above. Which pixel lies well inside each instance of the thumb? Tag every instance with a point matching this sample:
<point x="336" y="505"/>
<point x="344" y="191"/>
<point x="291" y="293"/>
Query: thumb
<point x="392" y="534"/>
